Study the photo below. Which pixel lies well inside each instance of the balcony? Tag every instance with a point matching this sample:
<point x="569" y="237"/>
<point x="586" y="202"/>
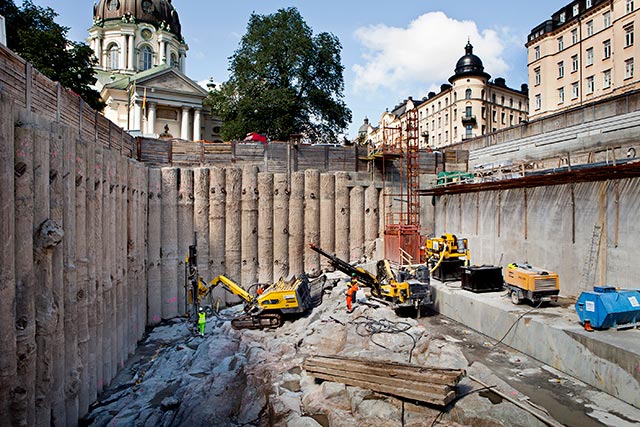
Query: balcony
<point x="469" y="120"/>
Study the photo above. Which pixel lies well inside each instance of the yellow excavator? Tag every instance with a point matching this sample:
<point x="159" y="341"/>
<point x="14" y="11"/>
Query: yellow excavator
<point x="264" y="310"/>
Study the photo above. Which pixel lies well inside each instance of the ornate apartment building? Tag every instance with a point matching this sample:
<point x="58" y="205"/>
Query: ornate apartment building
<point x="469" y="106"/>
<point x="585" y="52"/>
<point x="141" y="71"/>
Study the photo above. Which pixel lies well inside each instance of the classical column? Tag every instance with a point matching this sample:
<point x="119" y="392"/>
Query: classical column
<point x="167" y="54"/>
<point x="137" y="117"/>
<point x="98" y="51"/>
<point x="151" y="119"/>
<point x="130" y="53"/>
<point x="163" y="51"/>
<point x="184" y="133"/>
<point x="183" y="62"/>
<point x="123" y="53"/>
<point x="196" y="125"/>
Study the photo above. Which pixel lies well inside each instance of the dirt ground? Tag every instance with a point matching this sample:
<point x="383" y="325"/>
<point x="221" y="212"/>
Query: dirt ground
<point x="255" y="377"/>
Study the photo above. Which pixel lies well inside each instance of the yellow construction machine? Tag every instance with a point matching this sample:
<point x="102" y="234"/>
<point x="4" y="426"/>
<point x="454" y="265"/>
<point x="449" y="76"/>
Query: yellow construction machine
<point x="260" y="311"/>
<point x="414" y="292"/>
<point x="445" y="255"/>
<point x="531" y="283"/>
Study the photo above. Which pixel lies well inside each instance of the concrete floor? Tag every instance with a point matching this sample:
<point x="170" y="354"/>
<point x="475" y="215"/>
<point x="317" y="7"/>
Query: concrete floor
<point x="608" y="360"/>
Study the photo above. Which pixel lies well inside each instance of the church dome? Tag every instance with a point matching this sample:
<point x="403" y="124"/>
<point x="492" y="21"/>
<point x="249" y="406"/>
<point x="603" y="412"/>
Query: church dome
<point x="159" y="13"/>
<point x="469" y="65"/>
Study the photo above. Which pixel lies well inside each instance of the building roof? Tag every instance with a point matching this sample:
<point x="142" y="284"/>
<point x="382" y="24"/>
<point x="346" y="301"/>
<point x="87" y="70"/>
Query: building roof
<point x="159" y="13"/>
<point x="469" y="65"/>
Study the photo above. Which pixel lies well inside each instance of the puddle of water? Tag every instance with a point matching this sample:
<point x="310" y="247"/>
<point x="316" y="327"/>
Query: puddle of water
<point x="494" y="397"/>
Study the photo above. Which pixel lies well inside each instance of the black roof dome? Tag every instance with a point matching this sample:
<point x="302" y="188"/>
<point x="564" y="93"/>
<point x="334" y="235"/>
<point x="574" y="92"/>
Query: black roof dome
<point x="159" y="13"/>
<point x="469" y="65"/>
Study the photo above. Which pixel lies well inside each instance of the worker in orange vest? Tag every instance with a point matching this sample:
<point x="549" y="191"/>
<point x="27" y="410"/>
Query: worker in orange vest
<point x="351" y="293"/>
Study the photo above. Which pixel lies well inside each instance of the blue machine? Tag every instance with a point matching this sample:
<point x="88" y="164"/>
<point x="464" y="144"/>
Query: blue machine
<point x="607" y="307"/>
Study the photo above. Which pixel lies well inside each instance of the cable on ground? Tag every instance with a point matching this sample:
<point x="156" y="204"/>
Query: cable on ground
<point x="516" y="322"/>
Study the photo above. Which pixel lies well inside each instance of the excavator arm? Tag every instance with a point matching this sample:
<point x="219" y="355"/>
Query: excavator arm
<point x="232" y="287"/>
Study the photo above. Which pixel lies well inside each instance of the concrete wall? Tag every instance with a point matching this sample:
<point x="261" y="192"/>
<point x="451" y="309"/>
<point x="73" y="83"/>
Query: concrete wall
<point x="265" y="231"/>
<point x="73" y="224"/>
<point x="585" y="232"/>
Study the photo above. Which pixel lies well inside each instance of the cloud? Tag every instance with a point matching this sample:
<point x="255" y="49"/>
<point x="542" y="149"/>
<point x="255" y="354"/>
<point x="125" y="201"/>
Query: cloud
<point x="422" y="55"/>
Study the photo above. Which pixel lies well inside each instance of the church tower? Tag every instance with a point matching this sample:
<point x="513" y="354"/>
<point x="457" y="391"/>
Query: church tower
<point x="141" y="70"/>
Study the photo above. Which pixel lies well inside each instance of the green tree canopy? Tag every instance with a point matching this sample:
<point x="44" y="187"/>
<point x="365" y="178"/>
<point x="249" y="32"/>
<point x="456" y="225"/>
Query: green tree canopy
<point x="34" y="35"/>
<point x="283" y="81"/>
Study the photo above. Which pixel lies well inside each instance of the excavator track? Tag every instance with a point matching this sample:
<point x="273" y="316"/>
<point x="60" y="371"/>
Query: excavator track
<point x="259" y="321"/>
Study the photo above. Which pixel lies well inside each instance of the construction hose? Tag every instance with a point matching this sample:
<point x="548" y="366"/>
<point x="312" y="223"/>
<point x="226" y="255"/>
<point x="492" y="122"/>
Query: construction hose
<point x="444" y="251"/>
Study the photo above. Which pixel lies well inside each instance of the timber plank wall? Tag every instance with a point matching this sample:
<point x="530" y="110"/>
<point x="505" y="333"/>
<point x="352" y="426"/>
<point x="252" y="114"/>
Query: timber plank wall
<point x="35" y="93"/>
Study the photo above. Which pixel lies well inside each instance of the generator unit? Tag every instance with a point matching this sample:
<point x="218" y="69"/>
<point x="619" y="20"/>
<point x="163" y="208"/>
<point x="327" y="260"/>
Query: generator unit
<point x="607" y="307"/>
<point x="483" y="278"/>
<point x="526" y="282"/>
<point x="446" y="255"/>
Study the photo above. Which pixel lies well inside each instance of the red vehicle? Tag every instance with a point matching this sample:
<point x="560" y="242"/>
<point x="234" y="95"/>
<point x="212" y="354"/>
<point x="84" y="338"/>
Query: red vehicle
<point x="255" y="137"/>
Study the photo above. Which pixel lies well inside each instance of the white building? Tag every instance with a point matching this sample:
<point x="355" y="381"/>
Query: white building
<point x="142" y="60"/>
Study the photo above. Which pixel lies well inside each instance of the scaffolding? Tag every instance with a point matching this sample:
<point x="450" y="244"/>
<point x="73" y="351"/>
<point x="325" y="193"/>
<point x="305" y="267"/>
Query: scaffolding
<point x="401" y="182"/>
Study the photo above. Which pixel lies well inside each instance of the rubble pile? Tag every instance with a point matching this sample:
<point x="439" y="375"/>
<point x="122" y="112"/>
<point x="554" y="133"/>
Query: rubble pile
<point x="256" y="377"/>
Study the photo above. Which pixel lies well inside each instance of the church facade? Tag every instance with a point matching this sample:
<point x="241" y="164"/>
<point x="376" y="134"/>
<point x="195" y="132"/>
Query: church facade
<point x="141" y="71"/>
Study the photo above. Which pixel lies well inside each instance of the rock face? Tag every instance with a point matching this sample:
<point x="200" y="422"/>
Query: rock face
<point x="254" y="377"/>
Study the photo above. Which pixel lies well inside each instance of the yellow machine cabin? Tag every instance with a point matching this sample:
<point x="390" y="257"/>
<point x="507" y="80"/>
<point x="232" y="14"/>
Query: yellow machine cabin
<point x="535" y="284"/>
<point x="445" y="255"/>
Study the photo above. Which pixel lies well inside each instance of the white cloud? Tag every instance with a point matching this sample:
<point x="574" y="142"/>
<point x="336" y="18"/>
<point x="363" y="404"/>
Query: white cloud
<point x="424" y="54"/>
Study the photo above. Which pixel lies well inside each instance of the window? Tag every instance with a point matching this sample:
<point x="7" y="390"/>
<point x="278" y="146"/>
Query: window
<point x="504" y="117"/>
<point x="538" y="102"/>
<point x="484" y="112"/>
<point x="574" y="63"/>
<point x="576" y="9"/>
<point x="446" y="102"/>
<point x="113" y="56"/>
<point x="628" y="36"/>
<point x="433" y="125"/>
<point x="575" y="90"/>
<point x="467" y="94"/>
<point x="560" y="43"/>
<point x="510" y="119"/>
<point x="146" y="58"/>
<point x="629" y="6"/>
<point x="589" y="56"/>
<point x="493" y="98"/>
<point x="628" y="68"/>
<point x="607" y="48"/>
<point x="588" y="4"/>
<point x="574" y="36"/>
<point x="439" y="106"/>
<point x="455" y="132"/>
<point x="113" y="4"/>
<point x="607" y="19"/>
<point x="511" y="102"/>
<point x="536" y="52"/>
<point x="502" y="101"/>
<point x="455" y="97"/>
<point x="590" y="28"/>
<point x="439" y="122"/>
<point x="468" y="131"/>
<point x="495" y="116"/>
<point x="174" y="61"/>
<point x="455" y="114"/>
<point x="590" y="85"/>
<point x="606" y="79"/>
<point x="560" y="95"/>
<point x="563" y="17"/>
<point x="560" y="69"/>
<point x="446" y="136"/>
<point x="537" y="76"/>
<point x="468" y="112"/>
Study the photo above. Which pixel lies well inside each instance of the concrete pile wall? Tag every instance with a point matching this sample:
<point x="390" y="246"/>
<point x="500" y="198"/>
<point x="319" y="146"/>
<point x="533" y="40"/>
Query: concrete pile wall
<point x="585" y="232"/>
<point x="72" y="261"/>
<point x="253" y="227"/>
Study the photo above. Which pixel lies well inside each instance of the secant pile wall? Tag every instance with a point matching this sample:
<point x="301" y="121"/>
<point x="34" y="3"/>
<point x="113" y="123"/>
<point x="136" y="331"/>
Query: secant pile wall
<point x="253" y="227"/>
<point x="72" y="261"/>
<point x="586" y="232"/>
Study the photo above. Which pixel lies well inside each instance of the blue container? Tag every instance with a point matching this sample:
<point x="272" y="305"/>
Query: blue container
<point x="606" y="307"/>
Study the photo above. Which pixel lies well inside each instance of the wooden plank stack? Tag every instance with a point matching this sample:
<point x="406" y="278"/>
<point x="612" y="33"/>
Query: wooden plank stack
<point x="435" y="386"/>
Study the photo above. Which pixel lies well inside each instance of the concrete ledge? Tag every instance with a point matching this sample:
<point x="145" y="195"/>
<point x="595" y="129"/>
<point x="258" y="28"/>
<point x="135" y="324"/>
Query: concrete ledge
<point x="608" y="360"/>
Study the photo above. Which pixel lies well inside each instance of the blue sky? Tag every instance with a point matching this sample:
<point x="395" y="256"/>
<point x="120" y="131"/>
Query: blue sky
<point x="391" y="49"/>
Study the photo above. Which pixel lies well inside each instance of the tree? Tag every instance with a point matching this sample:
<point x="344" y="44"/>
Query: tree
<point x="34" y="35"/>
<point x="283" y="80"/>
